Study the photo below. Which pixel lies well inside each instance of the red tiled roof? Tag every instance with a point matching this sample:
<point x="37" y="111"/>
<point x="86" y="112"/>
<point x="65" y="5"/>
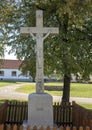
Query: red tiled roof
<point x="10" y="64"/>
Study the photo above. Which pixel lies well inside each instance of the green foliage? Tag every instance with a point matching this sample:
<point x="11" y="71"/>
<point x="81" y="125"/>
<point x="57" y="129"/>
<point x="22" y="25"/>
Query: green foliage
<point x="69" y="52"/>
<point x="1" y="51"/>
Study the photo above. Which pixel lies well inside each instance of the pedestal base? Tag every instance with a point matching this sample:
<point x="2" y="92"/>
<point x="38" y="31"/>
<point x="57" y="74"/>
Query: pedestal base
<point x="40" y="110"/>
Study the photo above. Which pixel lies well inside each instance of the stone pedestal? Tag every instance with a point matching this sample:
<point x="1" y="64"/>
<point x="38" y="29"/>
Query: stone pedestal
<point x="40" y="110"/>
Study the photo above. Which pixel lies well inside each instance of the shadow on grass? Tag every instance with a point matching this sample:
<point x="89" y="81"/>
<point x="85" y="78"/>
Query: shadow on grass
<point x="8" y="81"/>
<point x="54" y="88"/>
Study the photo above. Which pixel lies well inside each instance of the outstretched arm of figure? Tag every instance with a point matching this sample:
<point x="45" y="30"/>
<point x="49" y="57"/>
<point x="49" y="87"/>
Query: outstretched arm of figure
<point x="47" y="35"/>
<point x="33" y="36"/>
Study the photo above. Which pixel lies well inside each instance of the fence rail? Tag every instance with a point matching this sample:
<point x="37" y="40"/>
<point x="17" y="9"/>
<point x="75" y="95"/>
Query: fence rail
<point x="3" y="111"/>
<point x="81" y="115"/>
<point x="62" y="114"/>
<point x="15" y="112"/>
<point x="16" y="127"/>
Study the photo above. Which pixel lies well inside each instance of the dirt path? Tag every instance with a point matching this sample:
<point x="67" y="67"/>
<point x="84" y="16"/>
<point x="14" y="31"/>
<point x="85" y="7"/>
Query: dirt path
<point x="9" y="92"/>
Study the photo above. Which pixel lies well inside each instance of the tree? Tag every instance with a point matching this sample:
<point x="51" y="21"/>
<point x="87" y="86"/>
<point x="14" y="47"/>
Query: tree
<point x="1" y="48"/>
<point x="73" y="46"/>
<point x="65" y="54"/>
<point x="1" y="53"/>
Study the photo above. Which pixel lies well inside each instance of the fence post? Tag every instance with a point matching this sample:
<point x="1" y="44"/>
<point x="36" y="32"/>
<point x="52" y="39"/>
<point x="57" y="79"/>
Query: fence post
<point x="28" y="127"/>
<point x="48" y="128"/>
<point x="54" y="128"/>
<point x="21" y="127"/>
<point x="35" y="127"/>
<point x="87" y="128"/>
<point x="74" y="128"/>
<point x="80" y="128"/>
<point x="8" y="127"/>
<point x="2" y="127"/>
<point x="41" y="128"/>
<point x="67" y="128"/>
<point x="61" y="128"/>
<point x="3" y="111"/>
<point x="15" y="127"/>
<point x="73" y="113"/>
<point x="91" y="124"/>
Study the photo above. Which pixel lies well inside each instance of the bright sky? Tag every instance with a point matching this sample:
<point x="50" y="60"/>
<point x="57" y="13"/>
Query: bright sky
<point x="9" y="56"/>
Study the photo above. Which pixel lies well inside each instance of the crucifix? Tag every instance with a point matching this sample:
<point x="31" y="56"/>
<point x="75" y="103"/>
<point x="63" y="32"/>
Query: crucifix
<point x="39" y="33"/>
<point x="40" y="109"/>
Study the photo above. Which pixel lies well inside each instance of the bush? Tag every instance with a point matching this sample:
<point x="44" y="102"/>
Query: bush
<point x="54" y="88"/>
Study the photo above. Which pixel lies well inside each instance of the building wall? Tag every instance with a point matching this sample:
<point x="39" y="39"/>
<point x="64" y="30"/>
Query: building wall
<point x="13" y="74"/>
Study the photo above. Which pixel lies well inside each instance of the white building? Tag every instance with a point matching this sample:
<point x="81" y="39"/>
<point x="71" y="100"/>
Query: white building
<point x="9" y="70"/>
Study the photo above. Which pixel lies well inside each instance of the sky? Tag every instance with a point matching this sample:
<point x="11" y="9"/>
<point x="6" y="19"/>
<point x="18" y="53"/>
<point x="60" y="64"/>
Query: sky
<point x="9" y="56"/>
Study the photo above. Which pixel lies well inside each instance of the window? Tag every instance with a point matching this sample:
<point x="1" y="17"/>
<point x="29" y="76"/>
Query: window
<point x="26" y="75"/>
<point x="14" y="73"/>
<point x="1" y="73"/>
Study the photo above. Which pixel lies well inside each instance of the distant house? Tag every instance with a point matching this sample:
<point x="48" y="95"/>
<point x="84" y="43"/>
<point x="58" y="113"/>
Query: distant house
<point x="9" y="70"/>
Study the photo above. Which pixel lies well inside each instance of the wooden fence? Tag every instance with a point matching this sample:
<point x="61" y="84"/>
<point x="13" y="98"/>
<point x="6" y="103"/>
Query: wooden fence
<point x="16" y="127"/>
<point x="17" y="112"/>
<point x="62" y="114"/>
<point x="14" y="112"/>
<point x="3" y="111"/>
<point x="81" y="115"/>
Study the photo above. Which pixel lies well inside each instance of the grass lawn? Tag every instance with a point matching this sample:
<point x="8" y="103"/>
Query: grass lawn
<point x="77" y="89"/>
<point x="88" y="106"/>
<point x="81" y="90"/>
<point x="6" y="83"/>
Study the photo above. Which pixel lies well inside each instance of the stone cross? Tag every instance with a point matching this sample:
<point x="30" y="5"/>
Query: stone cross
<point x="39" y="33"/>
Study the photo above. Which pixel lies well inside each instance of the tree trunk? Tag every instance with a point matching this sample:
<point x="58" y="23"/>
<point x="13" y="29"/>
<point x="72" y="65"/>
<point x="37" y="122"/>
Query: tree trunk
<point x="66" y="89"/>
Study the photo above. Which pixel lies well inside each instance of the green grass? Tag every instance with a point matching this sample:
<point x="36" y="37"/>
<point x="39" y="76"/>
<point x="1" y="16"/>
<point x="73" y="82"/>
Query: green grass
<point x="28" y="88"/>
<point x="88" y="106"/>
<point x="6" y="83"/>
<point x="77" y="89"/>
<point x="31" y="87"/>
<point x="81" y="90"/>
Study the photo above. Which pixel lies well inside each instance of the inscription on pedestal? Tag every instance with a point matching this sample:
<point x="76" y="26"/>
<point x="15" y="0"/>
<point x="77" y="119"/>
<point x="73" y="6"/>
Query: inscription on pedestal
<point x="40" y="110"/>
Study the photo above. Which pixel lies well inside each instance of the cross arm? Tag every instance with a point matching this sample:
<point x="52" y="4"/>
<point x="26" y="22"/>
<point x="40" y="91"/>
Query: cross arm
<point x="28" y="30"/>
<point x="43" y="30"/>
